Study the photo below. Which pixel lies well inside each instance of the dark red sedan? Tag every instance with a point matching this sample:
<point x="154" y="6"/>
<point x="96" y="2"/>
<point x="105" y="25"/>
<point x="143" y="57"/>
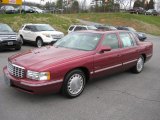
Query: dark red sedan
<point x="75" y="59"/>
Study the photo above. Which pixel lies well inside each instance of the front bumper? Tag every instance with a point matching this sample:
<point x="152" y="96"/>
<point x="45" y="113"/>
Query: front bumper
<point x="30" y="86"/>
<point x="10" y="44"/>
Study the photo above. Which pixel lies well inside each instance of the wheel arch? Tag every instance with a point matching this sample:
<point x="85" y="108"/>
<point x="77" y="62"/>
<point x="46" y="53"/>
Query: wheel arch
<point x="38" y="37"/>
<point x="83" y="69"/>
<point x="144" y="56"/>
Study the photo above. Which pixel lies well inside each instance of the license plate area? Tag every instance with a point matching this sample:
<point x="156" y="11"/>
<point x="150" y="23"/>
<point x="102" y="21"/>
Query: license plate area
<point x="10" y="43"/>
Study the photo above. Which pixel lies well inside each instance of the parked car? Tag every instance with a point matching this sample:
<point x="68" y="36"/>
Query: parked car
<point x="105" y="27"/>
<point x="76" y="59"/>
<point x="40" y="34"/>
<point x="24" y="9"/>
<point x="37" y="10"/>
<point x="141" y="36"/>
<point x="73" y="28"/>
<point x="8" y="9"/>
<point x="151" y="12"/>
<point x="8" y="38"/>
<point x="137" y="10"/>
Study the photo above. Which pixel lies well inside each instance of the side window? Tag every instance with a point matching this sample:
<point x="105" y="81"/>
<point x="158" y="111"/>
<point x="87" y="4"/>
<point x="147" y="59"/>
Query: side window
<point x="33" y="28"/>
<point x="83" y="28"/>
<point x="126" y="40"/>
<point x="111" y="40"/>
<point x="27" y="28"/>
<point x="71" y="28"/>
<point x="78" y="28"/>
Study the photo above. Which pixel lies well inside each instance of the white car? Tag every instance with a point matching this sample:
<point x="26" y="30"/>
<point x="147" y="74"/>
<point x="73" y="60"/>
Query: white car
<point x="73" y="28"/>
<point x="39" y="33"/>
<point x="38" y="10"/>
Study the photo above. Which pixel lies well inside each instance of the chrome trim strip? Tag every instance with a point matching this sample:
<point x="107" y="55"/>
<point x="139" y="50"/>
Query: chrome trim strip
<point x="18" y="66"/>
<point x="149" y="55"/>
<point x="91" y="72"/>
<point x="108" y="68"/>
<point x="130" y="61"/>
<point x="42" y="84"/>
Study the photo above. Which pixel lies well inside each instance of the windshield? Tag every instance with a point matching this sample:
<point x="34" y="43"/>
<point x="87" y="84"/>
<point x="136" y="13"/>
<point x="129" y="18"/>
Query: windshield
<point x="5" y="28"/>
<point x="44" y="28"/>
<point x="80" y="41"/>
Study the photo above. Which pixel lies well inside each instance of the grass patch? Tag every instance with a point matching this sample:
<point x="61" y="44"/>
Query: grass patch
<point x="57" y="21"/>
<point x="148" y="24"/>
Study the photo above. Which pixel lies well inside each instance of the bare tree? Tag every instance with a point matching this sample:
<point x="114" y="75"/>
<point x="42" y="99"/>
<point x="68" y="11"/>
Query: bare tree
<point x="124" y="3"/>
<point x="158" y="5"/>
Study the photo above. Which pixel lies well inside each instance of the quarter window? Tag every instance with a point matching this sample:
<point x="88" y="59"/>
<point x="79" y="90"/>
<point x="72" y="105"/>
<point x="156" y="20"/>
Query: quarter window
<point x="126" y="40"/>
<point x="111" y="40"/>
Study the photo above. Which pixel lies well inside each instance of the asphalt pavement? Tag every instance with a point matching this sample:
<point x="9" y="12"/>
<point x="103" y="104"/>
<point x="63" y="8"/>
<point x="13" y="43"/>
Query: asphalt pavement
<point x="124" y="96"/>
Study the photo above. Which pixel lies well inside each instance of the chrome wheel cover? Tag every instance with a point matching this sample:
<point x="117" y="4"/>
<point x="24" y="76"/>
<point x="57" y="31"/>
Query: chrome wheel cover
<point x="75" y="84"/>
<point x="140" y="64"/>
<point x="39" y="43"/>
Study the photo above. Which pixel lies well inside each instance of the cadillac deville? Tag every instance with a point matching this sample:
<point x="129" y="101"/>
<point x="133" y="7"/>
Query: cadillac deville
<point x="74" y="60"/>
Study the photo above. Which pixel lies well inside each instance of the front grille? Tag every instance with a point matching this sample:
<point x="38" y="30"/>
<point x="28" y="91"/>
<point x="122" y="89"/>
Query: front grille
<point x="8" y="37"/>
<point x="57" y="36"/>
<point x="16" y="70"/>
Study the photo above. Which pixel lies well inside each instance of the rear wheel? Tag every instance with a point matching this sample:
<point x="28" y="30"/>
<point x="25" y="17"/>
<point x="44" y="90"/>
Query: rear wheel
<point x="139" y="65"/>
<point x="39" y="42"/>
<point x="74" y="83"/>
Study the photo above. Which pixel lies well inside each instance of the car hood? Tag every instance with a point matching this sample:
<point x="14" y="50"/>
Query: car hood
<point x="40" y="59"/>
<point x="51" y="32"/>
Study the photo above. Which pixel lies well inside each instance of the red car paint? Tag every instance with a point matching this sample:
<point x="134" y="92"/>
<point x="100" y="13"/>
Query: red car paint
<point x="59" y="61"/>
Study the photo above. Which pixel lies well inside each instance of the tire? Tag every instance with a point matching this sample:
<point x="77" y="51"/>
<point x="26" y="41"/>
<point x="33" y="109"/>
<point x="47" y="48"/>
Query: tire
<point x="139" y="65"/>
<point x="22" y="40"/>
<point x="74" y="83"/>
<point x="39" y="42"/>
<point x="18" y="47"/>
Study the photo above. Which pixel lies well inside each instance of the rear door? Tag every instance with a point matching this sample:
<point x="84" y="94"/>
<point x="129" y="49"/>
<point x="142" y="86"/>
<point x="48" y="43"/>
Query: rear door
<point x="110" y="61"/>
<point x="129" y="50"/>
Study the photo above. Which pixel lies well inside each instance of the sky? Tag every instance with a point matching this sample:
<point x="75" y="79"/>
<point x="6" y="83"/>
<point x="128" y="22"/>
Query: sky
<point x="41" y="2"/>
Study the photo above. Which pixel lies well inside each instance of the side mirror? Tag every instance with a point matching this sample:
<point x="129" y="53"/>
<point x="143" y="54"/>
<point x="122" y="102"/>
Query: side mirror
<point x="105" y="48"/>
<point x="143" y="38"/>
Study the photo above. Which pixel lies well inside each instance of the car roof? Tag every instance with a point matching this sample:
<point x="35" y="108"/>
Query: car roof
<point x="101" y="32"/>
<point x="3" y="24"/>
<point x="34" y="24"/>
<point x="81" y="25"/>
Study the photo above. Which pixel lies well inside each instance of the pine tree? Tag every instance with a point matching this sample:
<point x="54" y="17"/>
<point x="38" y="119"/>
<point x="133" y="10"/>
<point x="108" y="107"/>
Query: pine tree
<point x="138" y="3"/>
<point x="151" y="4"/>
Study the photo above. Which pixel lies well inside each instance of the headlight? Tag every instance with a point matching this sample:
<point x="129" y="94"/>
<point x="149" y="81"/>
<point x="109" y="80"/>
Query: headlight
<point x="47" y="35"/>
<point x="1" y="40"/>
<point x="38" y="75"/>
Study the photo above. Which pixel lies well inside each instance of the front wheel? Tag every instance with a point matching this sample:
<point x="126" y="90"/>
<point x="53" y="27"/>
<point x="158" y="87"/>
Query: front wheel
<point x="139" y="65"/>
<point x="39" y="43"/>
<point x="74" y="83"/>
<point x="18" y="47"/>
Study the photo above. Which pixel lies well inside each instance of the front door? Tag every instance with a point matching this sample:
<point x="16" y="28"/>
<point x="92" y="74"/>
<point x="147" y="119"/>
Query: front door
<point x="110" y="61"/>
